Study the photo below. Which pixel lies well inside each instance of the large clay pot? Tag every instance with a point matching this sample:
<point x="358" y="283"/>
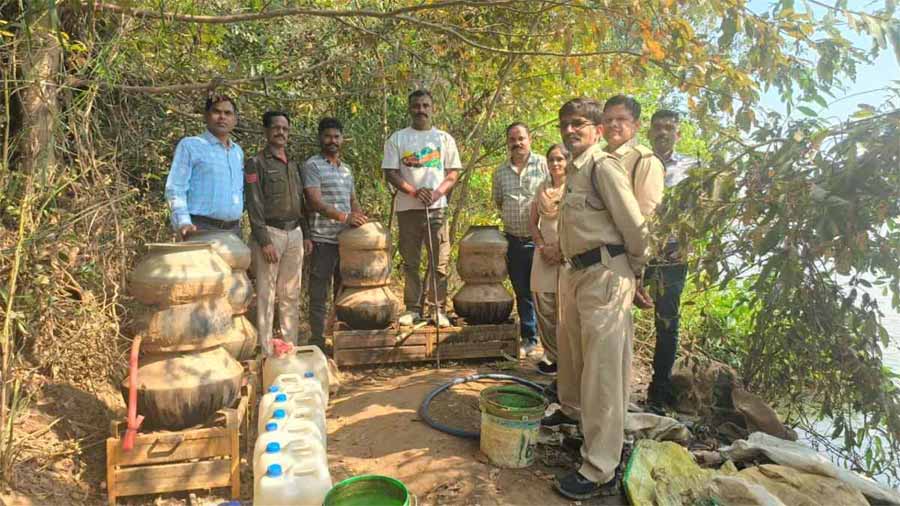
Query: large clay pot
<point x="239" y="292"/>
<point x="178" y="273"/>
<point x="483" y="303"/>
<point x="240" y="339"/>
<point x="365" y="255"/>
<point x="482" y="255"/>
<point x="229" y="246"/>
<point x="367" y="308"/>
<point x="179" y="391"/>
<point x="183" y="327"/>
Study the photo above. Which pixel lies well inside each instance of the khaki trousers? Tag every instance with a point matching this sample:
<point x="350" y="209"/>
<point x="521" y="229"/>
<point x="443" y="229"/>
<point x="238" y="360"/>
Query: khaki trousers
<point x="413" y="229"/>
<point x="595" y="347"/>
<point x="546" y="310"/>
<point x="280" y="280"/>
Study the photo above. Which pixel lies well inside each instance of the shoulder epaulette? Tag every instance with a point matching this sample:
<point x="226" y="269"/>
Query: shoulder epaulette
<point x="644" y="151"/>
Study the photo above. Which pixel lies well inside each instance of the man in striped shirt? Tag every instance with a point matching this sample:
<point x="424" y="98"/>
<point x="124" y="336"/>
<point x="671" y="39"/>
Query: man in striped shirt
<point x="330" y="192"/>
<point x="514" y="185"/>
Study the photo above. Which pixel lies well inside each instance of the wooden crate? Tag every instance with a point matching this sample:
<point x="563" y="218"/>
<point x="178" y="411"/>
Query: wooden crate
<point x="362" y="347"/>
<point x="197" y="458"/>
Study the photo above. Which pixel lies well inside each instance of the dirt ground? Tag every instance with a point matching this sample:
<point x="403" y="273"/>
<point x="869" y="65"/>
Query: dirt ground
<point x="373" y="427"/>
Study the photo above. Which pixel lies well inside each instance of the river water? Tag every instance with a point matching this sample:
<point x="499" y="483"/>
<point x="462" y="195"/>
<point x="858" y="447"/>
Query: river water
<point x="891" y="323"/>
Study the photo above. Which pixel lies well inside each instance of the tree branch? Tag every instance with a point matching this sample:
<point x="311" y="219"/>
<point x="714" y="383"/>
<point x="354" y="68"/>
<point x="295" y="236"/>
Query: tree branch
<point x="211" y="85"/>
<point x="458" y="35"/>
<point x="297" y="11"/>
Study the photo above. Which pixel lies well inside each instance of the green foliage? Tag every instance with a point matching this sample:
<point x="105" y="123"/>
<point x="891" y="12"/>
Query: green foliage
<point x="778" y="209"/>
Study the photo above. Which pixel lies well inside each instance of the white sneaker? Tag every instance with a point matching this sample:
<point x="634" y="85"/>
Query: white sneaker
<point x="443" y="322"/>
<point x="408" y="318"/>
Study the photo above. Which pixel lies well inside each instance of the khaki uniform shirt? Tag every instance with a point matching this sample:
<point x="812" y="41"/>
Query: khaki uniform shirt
<point x="647" y="176"/>
<point x="600" y="206"/>
<point x="273" y="191"/>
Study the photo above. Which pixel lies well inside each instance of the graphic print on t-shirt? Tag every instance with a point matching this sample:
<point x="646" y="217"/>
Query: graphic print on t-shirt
<point x="426" y="157"/>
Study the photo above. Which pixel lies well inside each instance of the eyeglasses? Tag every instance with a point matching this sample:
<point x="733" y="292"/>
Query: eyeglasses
<point x="575" y="124"/>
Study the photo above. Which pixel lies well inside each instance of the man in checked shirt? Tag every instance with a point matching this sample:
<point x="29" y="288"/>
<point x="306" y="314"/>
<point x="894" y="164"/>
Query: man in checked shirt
<point x="514" y="185"/>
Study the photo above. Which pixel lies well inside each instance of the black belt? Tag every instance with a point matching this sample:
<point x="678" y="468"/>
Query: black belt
<point x="594" y="256"/>
<point x="517" y="238"/>
<point x="224" y="225"/>
<point x="283" y="224"/>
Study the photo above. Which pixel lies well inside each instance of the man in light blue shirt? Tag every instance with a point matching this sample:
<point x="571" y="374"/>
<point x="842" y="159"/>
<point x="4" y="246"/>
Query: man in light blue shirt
<point x="205" y="187"/>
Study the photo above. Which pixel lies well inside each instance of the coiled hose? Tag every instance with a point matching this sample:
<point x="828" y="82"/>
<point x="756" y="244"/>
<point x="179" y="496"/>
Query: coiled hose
<point x="423" y="409"/>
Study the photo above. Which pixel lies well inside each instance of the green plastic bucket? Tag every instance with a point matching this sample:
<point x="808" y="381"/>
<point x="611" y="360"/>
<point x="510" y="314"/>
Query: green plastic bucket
<point x="369" y="490"/>
<point x="510" y="421"/>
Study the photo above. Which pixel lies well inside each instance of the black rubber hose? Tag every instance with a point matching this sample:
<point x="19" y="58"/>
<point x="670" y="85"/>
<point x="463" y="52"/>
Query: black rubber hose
<point x="423" y="409"/>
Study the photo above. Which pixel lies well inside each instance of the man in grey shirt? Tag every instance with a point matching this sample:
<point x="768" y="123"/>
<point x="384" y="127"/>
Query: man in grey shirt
<point x="330" y="192"/>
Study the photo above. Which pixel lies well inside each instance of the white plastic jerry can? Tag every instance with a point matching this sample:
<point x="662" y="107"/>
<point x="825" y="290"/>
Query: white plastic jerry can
<point x="287" y="432"/>
<point x="306" y="383"/>
<point x="270" y="454"/>
<point x="268" y="404"/>
<point x="300" y="360"/>
<point x="297" y="484"/>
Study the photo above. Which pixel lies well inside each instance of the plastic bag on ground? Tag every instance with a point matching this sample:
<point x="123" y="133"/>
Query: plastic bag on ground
<point x="732" y="491"/>
<point x="658" y="473"/>
<point x="797" y="456"/>
<point x="659" y="428"/>
<point x="803" y="489"/>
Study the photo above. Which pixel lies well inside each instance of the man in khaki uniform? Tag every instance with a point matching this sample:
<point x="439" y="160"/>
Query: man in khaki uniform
<point x="604" y="239"/>
<point x="274" y="199"/>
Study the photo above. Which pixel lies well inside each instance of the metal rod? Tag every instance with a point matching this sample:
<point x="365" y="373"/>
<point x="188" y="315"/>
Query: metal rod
<point x="434" y="286"/>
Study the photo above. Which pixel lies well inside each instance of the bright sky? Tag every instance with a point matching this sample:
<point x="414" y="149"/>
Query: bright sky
<point x="874" y="76"/>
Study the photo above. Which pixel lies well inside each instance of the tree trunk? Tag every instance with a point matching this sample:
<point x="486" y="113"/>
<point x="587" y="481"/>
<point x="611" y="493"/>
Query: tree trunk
<point x="39" y="71"/>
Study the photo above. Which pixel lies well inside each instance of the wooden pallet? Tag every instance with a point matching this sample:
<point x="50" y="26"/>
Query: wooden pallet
<point x="365" y="347"/>
<point x="197" y="458"/>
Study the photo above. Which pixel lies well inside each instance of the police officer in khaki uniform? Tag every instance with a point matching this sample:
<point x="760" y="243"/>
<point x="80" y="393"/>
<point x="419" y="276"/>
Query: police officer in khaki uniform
<point x="604" y="239"/>
<point x="273" y="193"/>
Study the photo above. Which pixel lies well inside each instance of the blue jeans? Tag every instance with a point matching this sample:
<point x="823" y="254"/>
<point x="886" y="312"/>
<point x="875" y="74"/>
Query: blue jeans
<point x="667" y="283"/>
<point x="518" y="262"/>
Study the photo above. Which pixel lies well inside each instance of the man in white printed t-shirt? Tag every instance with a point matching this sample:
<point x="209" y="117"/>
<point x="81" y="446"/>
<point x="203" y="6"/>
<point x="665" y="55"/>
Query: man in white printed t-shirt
<point x="422" y="163"/>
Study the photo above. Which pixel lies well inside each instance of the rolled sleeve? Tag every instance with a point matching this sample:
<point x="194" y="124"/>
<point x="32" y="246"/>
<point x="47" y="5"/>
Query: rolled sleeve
<point x="497" y="188"/>
<point x="311" y="177"/>
<point x="451" y="158"/>
<point x="178" y="183"/>
<point x="391" y="160"/>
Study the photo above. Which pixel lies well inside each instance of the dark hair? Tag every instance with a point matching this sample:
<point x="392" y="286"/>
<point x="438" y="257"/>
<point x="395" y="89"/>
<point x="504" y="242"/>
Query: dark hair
<point x="583" y="106"/>
<point x="419" y="93"/>
<point x="562" y="148"/>
<point x="326" y="123"/>
<point x="268" y="116"/>
<point x="630" y="103"/>
<point x="516" y="124"/>
<point x="665" y="114"/>
<point x="215" y="99"/>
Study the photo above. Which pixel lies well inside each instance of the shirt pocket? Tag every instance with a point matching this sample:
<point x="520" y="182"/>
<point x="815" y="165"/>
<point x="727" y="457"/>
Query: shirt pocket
<point x="573" y="201"/>
<point x="276" y="182"/>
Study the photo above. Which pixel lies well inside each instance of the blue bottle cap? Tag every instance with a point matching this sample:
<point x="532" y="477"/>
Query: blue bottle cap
<point x="273" y="447"/>
<point x="274" y="388"/>
<point x="274" y="470"/>
<point x="271" y="426"/>
<point x="309" y="374"/>
<point x="279" y="413"/>
<point x="281" y="398"/>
